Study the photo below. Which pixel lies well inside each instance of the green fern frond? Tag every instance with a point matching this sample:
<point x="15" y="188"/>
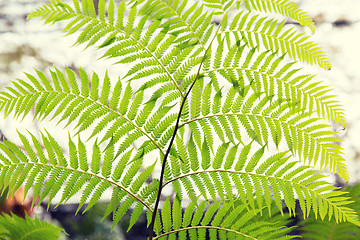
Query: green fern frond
<point x="261" y="117"/>
<point x="217" y="221"/>
<point x="183" y="57"/>
<point x="189" y="21"/>
<point x="123" y="41"/>
<point x="219" y="6"/>
<point x="48" y="170"/>
<point x="255" y="181"/>
<point x="283" y="7"/>
<point x="107" y="110"/>
<point x="264" y="74"/>
<point x="14" y="227"/>
<point x="329" y="228"/>
<point x="268" y="33"/>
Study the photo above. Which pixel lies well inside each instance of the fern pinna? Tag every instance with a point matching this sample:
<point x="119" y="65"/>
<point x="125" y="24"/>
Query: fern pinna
<point x="14" y="227"/>
<point x="214" y="89"/>
<point x="330" y="229"/>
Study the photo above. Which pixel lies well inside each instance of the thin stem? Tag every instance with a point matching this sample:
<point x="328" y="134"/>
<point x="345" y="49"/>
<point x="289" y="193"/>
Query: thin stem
<point x="90" y="174"/>
<point x="151" y="235"/>
<point x="94" y="102"/>
<point x="151" y="228"/>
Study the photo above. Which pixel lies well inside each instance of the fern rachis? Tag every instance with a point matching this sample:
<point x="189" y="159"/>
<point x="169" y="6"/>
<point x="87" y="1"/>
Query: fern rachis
<point x="216" y="101"/>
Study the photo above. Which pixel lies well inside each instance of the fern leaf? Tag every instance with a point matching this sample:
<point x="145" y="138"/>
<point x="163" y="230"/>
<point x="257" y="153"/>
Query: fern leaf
<point x="220" y="6"/>
<point x="47" y="172"/>
<point x="14" y="227"/>
<point x="301" y="136"/>
<point x="285" y="8"/>
<point x="265" y="181"/>
<point x="240" y="89"/>
<point x="313" y="229"/>
<point x="122" y="41"/>
<point x="219" y="225"/>
<point x="105" y="90"/>
<point x="267" y="77"/>
<point x="193" y="21"/>
<point x="76" y="107"/>
<point x="137" y="211"/>
<point x="289" y="42"/>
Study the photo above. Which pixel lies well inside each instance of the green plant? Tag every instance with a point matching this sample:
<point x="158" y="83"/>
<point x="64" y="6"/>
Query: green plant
<point x="216" y="102"/>
<point x="16" y="228"/>
<point x="330" y="229"/>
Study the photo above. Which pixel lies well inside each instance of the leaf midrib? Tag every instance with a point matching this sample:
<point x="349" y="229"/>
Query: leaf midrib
<point x="254" y="115"/>
<point x="257" y="175"/>
<point x="83" y="172"/>
<point x="94" y="102"/>
<point x="317" y="55"/>
<point x="286" y="83"/>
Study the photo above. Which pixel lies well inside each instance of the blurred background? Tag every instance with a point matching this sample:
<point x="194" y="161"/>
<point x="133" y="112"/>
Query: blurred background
<point x="25" y="45"/>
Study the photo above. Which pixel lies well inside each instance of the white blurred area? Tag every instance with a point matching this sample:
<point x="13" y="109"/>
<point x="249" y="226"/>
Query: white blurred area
<point x="25" y="45"/>
<point x="338" y="32"/>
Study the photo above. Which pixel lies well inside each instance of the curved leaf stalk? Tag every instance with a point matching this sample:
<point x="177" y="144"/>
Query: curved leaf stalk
<point x="152" y="224"/>
<point x="313" y="191"/>
<point x="336" y="163"/>
<point x="103" y="106"/>
<point x="90" y="174"/>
